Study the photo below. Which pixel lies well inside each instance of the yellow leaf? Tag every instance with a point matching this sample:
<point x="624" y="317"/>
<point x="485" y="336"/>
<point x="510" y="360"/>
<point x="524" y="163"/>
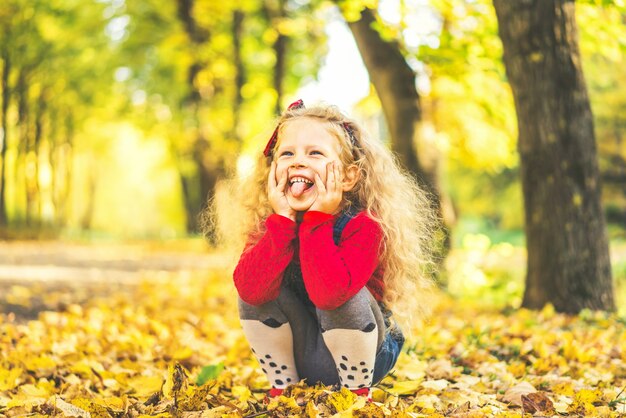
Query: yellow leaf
<point x="372" y="410"/>
<point x="9" y="378"/>
<point x="241" y="392"/>
<point x="39" y="364"/>
<point x="94" y="408"/>
<point x="182" y="353"/>
<point x="284" y="403"/>
<point x="311" y="410"/>
<point x="427" y="403"/>
<point x="435" y="385"/>
<point x="114" y="403"/>
<point x="29" y="395"/>
<point x="24" y="400"/>
<point x="342" y="400"/>
<point x="517" y="369"/>
<point x="34" y="391"/>
<point x="406" y="387"/>
<point x="583" y="401"/>
<point x="81" y="368"/>
<point x="144" y="386"/>
<point x="176" y="381"/>
<point x="563" y="389"/>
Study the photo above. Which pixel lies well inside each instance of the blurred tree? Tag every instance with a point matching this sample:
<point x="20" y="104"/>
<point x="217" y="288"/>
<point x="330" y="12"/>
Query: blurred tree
<point x="602" y="27"/>
<point x="470" y="106"/>
<point x="467" y="105"/>
<point x="395" y="84"/>
<point x="209" y="168"/>
<point x="231" y="63"/>
<point x="568" y="257"/>
<point x="275" y="12"/>
<point x="47" y="50"/>
<point x="6" y="33"/>
<point x="6" y="94"/>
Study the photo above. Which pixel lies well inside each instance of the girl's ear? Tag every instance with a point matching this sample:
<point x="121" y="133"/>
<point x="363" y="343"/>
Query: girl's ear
<point x="351" y="176"/>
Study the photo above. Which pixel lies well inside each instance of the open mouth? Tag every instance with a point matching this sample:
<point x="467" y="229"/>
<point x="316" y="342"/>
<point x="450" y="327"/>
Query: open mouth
<point x="299" y="185"/>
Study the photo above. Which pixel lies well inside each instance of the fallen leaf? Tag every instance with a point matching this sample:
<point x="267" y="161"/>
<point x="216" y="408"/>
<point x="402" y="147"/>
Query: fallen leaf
<point x="406" y="387"/>
<point x="209" y="373"/>
<point x="442" y="369"/>
<point x="70" y="410"/>
<point x="514" y="394"/>
<point x="537" y="402"/>
<point x="175" y="382"/>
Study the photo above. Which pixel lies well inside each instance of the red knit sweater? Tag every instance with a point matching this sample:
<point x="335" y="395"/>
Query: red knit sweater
<point x="332" y="274"/>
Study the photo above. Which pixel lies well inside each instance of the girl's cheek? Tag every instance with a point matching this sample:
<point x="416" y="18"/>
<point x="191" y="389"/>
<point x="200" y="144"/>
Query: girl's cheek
<point x="284" y="171"/>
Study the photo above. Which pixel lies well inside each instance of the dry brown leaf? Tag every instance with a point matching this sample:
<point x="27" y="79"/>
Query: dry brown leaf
<point x="442" y="369"/>
<point x="537" y="402"/>
<point x="515" y="393"/>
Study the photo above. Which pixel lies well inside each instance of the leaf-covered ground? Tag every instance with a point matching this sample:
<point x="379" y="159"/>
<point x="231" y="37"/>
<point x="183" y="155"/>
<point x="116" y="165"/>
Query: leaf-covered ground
<point x="172" y="346"/>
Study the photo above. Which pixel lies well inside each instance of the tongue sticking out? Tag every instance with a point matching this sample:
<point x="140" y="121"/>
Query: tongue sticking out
<point x="298" y="188"/>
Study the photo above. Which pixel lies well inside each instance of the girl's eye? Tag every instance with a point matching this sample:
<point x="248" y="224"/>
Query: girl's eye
<point x="316" y="153"/>
<point x="286" y="154"/>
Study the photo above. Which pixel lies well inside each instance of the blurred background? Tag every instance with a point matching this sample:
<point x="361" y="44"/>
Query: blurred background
<point x="120" y="118"/>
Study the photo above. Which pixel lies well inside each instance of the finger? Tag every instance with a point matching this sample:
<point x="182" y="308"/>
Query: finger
<point x="330" y="176"/>
<point x="282" y="182"/>
<point x="336" y="175"/>
<point x="321" y="188"/>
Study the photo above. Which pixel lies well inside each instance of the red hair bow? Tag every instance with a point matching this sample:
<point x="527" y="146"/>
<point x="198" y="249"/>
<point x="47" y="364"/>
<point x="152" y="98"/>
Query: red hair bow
<point x="298" y="104"/>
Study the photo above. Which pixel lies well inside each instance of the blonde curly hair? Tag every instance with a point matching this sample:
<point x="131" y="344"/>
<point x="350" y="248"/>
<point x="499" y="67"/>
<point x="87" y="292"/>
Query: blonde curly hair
<point x="388" y="194"/>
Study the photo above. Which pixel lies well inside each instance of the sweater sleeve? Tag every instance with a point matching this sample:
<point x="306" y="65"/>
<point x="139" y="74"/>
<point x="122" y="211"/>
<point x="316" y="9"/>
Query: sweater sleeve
<point x="332" y="273"/>
<point x="259" y="272"/>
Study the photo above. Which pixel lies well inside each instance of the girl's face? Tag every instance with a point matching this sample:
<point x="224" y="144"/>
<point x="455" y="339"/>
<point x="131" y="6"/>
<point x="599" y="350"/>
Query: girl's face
<point x="305" y="149"/>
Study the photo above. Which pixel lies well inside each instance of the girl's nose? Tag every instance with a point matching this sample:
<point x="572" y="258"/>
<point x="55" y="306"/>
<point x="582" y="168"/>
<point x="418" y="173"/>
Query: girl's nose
<point x="297" y="163"/>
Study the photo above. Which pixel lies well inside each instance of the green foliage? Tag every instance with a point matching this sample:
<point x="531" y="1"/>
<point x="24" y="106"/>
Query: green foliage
<point x="604" y="50"/>
<point x="209" y="373"/>
<point x="198" y="98"/>
<point x="141" y="96"/>
<point x="53" y="51"/>
<point x="467" y="99"/>
<point x="480" y="269"/>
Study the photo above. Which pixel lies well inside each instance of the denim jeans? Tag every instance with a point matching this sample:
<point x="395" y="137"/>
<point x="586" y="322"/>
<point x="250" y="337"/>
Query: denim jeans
<point x="388" y="353"/>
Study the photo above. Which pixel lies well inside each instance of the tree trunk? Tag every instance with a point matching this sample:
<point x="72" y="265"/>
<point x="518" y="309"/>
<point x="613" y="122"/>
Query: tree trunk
<point x="394" y="81"/>
<point x="206" y="173"/>
<point x="6" y="69"/>
<point x="568" y="255"/>
<point x="210" y="169"/>
<point x="273" y="12"/>
<point x="37" y="138"/>
<point x="280" y="50"/>
<point x="56" y="162"/>
<point x="66" y="172"/>
<point x="196" y="34"/>
<point x="21" y="161"/>
<point x="240" y="72"/>
<point x="86" y="220"/>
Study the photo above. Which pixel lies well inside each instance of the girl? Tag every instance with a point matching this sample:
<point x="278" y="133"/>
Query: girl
<point x="337" y="234"/>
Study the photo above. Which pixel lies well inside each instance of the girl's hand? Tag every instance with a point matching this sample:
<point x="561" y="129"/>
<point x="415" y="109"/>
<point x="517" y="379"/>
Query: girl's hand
<point x="276" y="194"/>
<point x="329" y="195"/>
